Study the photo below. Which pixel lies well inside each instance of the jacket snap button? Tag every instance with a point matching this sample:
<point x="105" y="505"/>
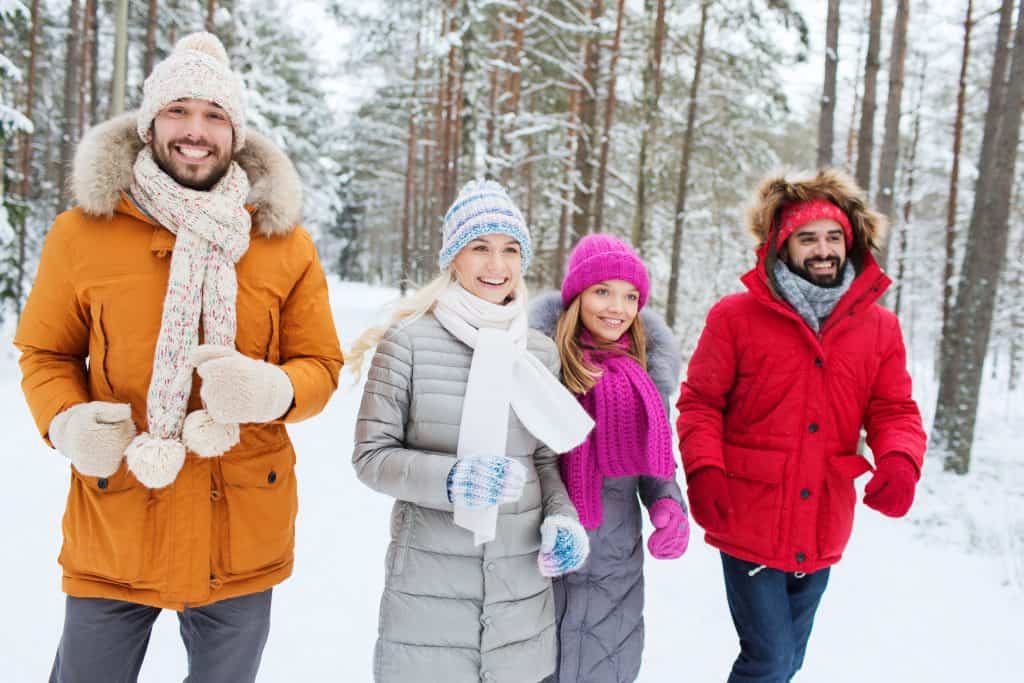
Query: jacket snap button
<point x="800" y="557"/>
<point x="486" y="621"/>
<point x="805" y="494"/>
<point x="272" y="477"/>
<point x="490" y="566"/>
<point x="214" y="495"/>
<point x="813" y="427"/>
<point x="102" y="483"/>
<point x="819" y="362"/>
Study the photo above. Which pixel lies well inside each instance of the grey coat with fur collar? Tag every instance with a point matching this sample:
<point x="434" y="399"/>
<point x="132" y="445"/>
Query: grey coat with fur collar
<point x="599" y="609"/>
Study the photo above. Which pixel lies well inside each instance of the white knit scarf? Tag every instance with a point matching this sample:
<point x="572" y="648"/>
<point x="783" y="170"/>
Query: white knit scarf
<point x="504" y="374"/>
<point x="212" y="229"/>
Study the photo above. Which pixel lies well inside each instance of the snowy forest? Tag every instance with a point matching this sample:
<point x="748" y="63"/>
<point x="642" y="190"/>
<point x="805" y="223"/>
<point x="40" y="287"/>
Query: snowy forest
<point x="650" y="119"/>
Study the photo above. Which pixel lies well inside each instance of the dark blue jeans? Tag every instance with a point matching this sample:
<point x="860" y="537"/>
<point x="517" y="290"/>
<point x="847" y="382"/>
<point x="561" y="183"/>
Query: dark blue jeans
<point x="773" y="613"/>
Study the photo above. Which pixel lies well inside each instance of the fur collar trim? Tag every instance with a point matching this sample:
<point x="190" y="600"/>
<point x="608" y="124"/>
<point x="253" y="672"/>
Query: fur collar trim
<point x="784" y="187"/>
<point x="664" y="357"/>
<point x="105" y="157"/>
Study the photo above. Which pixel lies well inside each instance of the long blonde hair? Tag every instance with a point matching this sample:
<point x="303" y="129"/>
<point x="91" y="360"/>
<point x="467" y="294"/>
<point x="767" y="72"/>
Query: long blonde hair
<point x="406" y="312"/>
<point x="578" y="375"/>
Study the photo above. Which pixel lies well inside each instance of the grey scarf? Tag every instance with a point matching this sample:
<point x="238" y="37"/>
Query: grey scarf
<point x="813" y="303"/>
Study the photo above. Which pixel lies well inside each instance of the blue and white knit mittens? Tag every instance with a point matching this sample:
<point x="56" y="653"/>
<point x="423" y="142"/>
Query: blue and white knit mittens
<point x="564" y="546"/>
<point x="482" y="481"/>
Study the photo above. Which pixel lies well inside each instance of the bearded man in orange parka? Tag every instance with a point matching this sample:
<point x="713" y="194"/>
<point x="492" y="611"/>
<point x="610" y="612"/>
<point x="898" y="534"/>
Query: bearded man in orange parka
<point x="183" y="494"/>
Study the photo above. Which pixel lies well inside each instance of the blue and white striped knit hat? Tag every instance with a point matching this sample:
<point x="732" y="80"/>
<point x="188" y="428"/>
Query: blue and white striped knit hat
<point x="483" y="207"/>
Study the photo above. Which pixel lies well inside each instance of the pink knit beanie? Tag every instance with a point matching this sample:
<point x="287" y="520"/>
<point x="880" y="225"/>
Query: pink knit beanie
<point x="599" y="257"/>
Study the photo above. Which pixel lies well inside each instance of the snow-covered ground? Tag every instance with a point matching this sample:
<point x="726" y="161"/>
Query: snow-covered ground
<point x="935" y="597"/>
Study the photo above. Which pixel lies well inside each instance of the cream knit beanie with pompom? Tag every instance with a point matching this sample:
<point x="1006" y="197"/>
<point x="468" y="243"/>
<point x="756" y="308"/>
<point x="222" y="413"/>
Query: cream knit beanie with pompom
<point x="198" y="69"/>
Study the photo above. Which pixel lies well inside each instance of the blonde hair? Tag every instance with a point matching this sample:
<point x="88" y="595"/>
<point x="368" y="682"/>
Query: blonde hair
<point x="408" y="311"/>
<point x="578" y="375"/>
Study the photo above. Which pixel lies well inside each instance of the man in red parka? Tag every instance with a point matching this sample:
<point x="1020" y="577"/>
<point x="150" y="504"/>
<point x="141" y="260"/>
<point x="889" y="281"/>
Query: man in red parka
<point x="783" y="378"/>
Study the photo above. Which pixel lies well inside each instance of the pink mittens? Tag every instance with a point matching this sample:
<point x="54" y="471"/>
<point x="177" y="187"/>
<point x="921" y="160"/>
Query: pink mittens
<point x="671" y="529"/>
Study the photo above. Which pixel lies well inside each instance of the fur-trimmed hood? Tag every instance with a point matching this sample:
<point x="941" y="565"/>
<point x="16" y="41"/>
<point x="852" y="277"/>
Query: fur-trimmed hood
<point x="785" y="187"/>
<point x="664" y="355"/>
<point x="106" y="156"/>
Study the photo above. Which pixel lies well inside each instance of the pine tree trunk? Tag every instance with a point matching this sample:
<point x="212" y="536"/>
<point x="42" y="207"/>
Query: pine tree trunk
<point x="588" y="114"/>
<point x="885" y="201"/>
<point x="447" y="117"/>
<point x="954" y="177"/>
<point x="26" y="142"/>
<point x="410" y="174"/>
<point x="908" y="203"/>
<point x="866" y="137"/>
<point x="984" y="259"/>
<point x="851" y="130"/>
<point x="211" y="10"/>
<point x="87" y="100"/>
<point x="92" y="31"/>
<point x="515" y="84"/>
<point x="435" y="192"/>
<point x="69" y="123"/>
<point x="684" y="172"/>
<point x="456" y="152"/>
<point x="151" y="23"/>
<point x="609" y="113"/>
<point x="497" y="36"/>
<point x="826" y="121"/>
<point x="652" y="91"/>
<point x="120" y="58"/>
<point x="570" y="181"/>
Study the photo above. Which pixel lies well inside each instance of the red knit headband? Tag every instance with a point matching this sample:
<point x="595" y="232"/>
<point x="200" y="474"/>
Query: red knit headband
<point x="801" y="213"/>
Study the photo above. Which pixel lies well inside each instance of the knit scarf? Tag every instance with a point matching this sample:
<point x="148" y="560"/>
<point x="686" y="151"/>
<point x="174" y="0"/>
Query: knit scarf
<point x="631" y="436"/>
<point x="212" y="229"/>
<point x="502" y="375"/>
<point x="812" y="302"/>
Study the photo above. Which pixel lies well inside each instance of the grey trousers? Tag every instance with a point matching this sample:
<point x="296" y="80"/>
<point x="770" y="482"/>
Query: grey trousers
<point x="106" y="640"/>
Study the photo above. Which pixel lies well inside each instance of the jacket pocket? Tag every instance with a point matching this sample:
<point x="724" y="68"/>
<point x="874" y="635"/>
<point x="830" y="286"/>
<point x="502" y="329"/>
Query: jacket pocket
<point x="273" y="352"/>
<point x="99" y="379"/>
<point x="838" y="501"/>
<point x="401" y="531"/>
<point x="106" y="527"/>
<point x="754" y="479"/>
<point x="261" y="499"/>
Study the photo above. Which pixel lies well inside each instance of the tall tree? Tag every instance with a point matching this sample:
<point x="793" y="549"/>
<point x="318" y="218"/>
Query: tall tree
<point x="211" y="11"/>
<point x="984" y="257"/>
<point x="69" y="123"/>
<point x="826" y="121"/>
<point x="151" y="24"/>
<point x="866" y="137"/>
<point x="954" y="177"/>
<point x="609" y="114"/>
<point x="651" y="95"/>
<point x="30" y="97"/>
<point x="908" y="200"/>
<point x="584" y="189"/>
<point x="410" y="174"/>
<point x="891" y="140"/>
<point x="684" y="170"/>
<point x="120" y="58"/>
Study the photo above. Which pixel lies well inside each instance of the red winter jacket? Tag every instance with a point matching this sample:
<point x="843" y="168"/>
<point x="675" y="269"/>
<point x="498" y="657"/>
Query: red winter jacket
<point x="780" y="409"/>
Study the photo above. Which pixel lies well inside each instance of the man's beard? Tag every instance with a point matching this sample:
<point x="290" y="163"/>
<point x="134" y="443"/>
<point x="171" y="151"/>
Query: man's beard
<point x="161" y="155"/>
<point x="827" y="281"/>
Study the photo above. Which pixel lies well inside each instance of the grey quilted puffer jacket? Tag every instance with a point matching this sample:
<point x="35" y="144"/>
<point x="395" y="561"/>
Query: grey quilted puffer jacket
<point x="599" y="609"/>
<point x="452" y="611"/>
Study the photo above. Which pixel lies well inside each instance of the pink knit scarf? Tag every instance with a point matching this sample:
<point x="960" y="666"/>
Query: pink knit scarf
<point x="631" y="436"/>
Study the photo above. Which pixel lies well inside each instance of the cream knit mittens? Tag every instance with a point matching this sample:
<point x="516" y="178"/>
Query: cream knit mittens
<point x="235" y="389"/>
<point x="94" y="436"/>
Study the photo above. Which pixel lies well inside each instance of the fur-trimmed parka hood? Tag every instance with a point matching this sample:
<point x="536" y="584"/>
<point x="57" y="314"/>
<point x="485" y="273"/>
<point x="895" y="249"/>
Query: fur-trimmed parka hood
<point x="106" y="155"/>
<point x="664" y="355"/>
<point x="785" y="187"/>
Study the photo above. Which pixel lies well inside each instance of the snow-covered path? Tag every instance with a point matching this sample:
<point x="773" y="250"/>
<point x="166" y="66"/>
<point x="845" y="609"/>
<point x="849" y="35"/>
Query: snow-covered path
<point x="937" y="597"/>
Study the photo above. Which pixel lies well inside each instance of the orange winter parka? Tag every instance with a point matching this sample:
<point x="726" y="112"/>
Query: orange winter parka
<point x="226" y="526"/>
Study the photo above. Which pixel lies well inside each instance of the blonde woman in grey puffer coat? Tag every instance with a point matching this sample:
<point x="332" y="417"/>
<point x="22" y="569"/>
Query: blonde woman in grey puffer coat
<point x="461" y="420"/>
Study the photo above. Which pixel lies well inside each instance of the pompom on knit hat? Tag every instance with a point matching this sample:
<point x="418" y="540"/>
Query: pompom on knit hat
<point x="600" y="257"/>
<point x="198" y="68"/>
<point x="483" y="207"/>
<point x="798" y="214"/>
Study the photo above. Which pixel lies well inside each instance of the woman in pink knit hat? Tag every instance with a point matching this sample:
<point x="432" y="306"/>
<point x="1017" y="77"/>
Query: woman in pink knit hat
<point x="622" y="362"/>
